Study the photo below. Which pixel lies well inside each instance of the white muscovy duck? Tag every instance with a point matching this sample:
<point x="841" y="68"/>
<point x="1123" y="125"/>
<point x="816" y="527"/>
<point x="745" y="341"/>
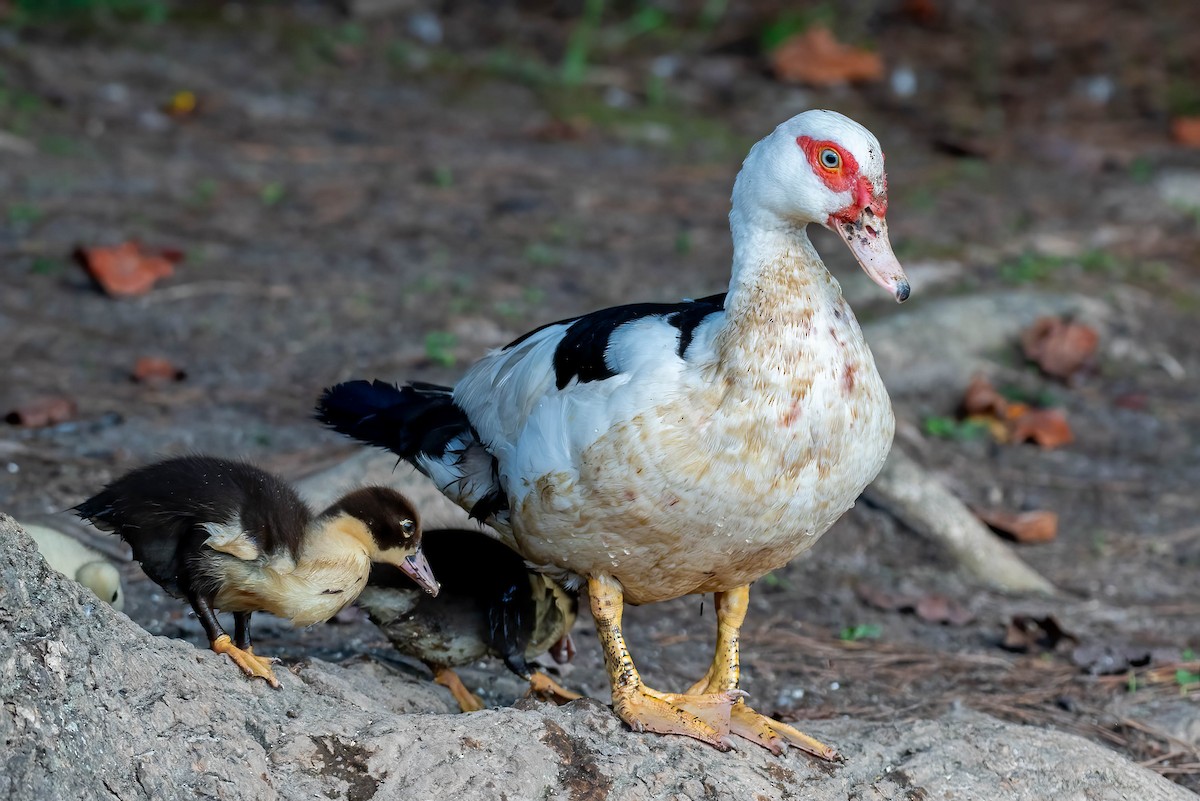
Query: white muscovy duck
<point x="662" y="449"/>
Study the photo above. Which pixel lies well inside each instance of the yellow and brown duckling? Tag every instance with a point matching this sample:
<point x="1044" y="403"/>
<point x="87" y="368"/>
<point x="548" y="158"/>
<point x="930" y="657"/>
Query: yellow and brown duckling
<point x="491" y="604"/>
<point x="225" y="535"/>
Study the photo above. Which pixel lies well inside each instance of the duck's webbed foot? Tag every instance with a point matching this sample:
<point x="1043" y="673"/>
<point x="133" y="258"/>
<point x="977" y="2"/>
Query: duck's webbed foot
<point x="725" y="673"/>
<point x="705" y="717"/>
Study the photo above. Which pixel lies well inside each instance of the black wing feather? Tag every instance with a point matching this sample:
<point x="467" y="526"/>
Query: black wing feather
<point x="409" y="420"/>
<point x="581" y="351"/>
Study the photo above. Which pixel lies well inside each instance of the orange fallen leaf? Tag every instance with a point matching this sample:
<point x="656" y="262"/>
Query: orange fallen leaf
<point x="1060" y="348"/>
<point x="42" y="412"/>
<point x="1186" y="131"/>
<point x="154" y="369"/>
<point x="1047" y="427"/>
<point x="815" y="57"/>
<point x="981" y="398"/>
<point x="126" y="269"/>
<point x="1027" y="527"/>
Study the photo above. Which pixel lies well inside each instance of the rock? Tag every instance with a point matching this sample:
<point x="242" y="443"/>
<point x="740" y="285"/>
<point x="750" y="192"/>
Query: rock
<point x="1181" y="189"/>
<point x="95" y="707"/>
<point x="966" y="334"/>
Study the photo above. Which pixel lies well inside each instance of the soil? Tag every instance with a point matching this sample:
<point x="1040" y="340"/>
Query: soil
<point x="390" y="197"/>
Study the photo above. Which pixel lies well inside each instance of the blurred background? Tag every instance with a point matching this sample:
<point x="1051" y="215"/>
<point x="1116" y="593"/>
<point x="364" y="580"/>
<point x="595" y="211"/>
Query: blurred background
<point x="209" y="211"/>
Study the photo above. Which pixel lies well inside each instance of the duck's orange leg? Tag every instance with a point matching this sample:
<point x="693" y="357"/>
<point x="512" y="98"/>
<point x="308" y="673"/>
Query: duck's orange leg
<point x="725" y="673"/>
<point x="702" y="716"/>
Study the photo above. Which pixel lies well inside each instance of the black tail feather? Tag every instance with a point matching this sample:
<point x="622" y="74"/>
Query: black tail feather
<point x="410" y="420"/>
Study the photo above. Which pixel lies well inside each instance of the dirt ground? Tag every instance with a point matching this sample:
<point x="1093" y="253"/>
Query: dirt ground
<point x="390" y="197"/>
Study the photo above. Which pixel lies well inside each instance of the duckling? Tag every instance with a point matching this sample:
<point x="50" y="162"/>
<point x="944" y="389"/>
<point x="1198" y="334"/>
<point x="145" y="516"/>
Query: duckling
<point x="77" y="561"/>
<point x="226" y="535"/>
<point x="491" y="604"/>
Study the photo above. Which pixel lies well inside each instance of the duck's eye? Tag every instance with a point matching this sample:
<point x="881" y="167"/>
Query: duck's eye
<point x="408" y="527"/>
<point x="114" y="598"/>
<point x="830" y="159"/>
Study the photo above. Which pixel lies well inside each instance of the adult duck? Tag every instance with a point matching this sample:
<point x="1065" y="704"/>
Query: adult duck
<point x="662" y="449"/>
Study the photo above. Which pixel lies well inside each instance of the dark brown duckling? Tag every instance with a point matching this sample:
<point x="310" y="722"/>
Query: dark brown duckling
<point x="490" y="604"/>
<point x="225" y="535"/>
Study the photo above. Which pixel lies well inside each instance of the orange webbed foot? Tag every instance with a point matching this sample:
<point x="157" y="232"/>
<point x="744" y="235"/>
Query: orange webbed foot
<point x="252" y="665"/>
<point x="542" y="685"/>
<point x="703" y="717"/>
<point x="774" y="735"/>
<point x="467" y="700"/>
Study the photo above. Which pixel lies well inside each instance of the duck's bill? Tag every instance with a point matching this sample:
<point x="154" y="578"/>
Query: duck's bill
<point x="417" y="568"/>
<point x="867" y="238"/>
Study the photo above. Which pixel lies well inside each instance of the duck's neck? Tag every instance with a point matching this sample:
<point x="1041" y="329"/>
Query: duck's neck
<point x="779" y="292"/>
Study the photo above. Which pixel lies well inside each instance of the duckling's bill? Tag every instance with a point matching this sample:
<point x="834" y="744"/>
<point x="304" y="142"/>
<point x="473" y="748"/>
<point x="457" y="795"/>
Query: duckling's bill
<point x="417" y="568"/>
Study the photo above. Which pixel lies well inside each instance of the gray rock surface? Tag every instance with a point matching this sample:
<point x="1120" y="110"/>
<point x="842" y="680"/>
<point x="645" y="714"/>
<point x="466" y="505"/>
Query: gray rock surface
<point x="94" y="707"/>
<point x="969" y="334"/>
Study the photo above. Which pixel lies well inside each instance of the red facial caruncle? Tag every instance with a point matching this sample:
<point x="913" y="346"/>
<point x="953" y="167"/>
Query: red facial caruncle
<point x="838" y="169"/>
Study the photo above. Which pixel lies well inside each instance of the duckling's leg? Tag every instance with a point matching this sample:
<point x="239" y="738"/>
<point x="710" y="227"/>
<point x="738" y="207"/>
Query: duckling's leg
<point x="705" y="717"/>
<point x="467" y="700"/>
<point x="222" y="644"/>
<point x="725" y="673"/>
<point x="241" y="638"/>
<point x="541" y="684"/>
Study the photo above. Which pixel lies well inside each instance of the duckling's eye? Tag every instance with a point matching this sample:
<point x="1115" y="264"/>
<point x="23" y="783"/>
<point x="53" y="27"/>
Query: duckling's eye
<point x="830" y="158"/>
<point x="408" y="527"/>
<point x="114" y="598"/>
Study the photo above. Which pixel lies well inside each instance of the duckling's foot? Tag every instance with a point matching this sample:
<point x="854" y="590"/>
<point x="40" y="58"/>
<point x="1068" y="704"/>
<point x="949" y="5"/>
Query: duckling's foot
<point x="467" y="700"/>
<point x="253" y="666"/>
<point x="773" y="735"/>
<point x="704" y="717"/>
<point x="542" y="685"/>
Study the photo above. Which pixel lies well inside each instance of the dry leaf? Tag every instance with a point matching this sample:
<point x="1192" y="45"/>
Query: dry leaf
<point x="1026" y="527"/>
<point x="981" y="398"/>
<point x="815" y="57"/>
<point x="1186" y="131"/>
<point x="923" y="12"/>
<point x="1011" y="421"/>
<point x="932" y="608"/>
<point x="125" y="269"/>
<point x="154" y="369"/>
<point x="41" y="412"/>
<point x="558" y="129"/>
<point x="1047" y="427"/>
<point x="940" y="609"/>
<point x="882" y="599"/>
<point x="1059" y="347"/>
<point x="1035" y="634"/>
